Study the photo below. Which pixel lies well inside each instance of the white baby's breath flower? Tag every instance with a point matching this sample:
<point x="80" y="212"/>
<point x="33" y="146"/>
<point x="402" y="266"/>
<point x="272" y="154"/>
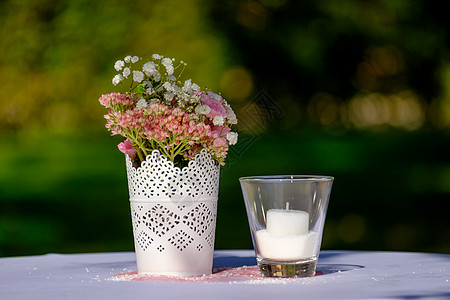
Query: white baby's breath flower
<point x="138" y="76"/>
<point x="149" y="68"/>
<point x="134" y="59"/>
<point x="126" y="72"/>
<point x="170" y="70"/>
<point x="194" y="98"/>
<point x="232" y="138"/>
<point x="218" y="120"/>
<point x="195" y="87"/>
<point x="117" y="79"/>
<point x="169" y="96"/>
<point x="127" y="59"/>
<point x="217" y="97"/>
<point x="203" y="109"/>
<point x="157" y="76"/>
<point x="146" y="84"/>
<point x="166" y="62"/>
<point x="168" y="86"/>
<point x="187" y="86"/>
<point x="184" y="96"/>
<point x="154" y="100"/>
<point x="156" y="56"/>
<point x="119" y="65"/>
<point x="177" y="89"/>
<point x="141" y="104"/>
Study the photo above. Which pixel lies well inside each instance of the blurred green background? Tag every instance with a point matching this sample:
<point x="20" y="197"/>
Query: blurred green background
<point x="359" y="90"/>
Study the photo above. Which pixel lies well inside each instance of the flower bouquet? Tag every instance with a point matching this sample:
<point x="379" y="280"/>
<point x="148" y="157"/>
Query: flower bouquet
<point x="176" y="137"/>
<point x="160" y="112"/>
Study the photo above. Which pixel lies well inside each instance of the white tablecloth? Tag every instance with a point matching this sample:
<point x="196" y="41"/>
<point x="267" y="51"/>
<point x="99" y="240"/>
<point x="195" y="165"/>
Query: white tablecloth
<point x="344" y="275"/>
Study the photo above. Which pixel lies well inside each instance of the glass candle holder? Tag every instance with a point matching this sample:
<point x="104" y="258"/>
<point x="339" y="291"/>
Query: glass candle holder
<point x="286" y="215"/>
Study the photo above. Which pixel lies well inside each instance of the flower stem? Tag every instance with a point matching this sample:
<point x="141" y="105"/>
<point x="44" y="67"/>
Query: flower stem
<point x="141" y="151"/>
<point x="179" y="149"/>
<point x="140" y="155"/>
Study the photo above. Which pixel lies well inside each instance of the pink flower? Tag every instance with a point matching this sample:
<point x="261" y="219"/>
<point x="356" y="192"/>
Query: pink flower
<point x="114" y="99"/>
<point x="220" y="142"/>
<point x="126" y="147"/>
<point x="220" y="131"/>
<point x="216" y="106"/>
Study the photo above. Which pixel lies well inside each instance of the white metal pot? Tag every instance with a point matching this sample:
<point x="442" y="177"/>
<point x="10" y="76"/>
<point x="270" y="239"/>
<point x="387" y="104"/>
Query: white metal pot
<point x="174" y="214"/>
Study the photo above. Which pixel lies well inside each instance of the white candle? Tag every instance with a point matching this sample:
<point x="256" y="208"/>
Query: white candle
<point x="286" y="248"/>
<point x="287" y="236"/>
<point x="287" y="222"/>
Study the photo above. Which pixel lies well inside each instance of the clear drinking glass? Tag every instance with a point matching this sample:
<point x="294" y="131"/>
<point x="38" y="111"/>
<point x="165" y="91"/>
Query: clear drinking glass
<point x="286" y="214"/>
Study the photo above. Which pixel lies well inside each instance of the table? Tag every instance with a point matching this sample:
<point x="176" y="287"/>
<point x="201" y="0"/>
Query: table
<point x="343" y="275"/>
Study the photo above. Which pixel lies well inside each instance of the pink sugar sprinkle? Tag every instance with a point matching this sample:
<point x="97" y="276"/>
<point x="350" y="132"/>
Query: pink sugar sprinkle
<point x="223" y="274"/>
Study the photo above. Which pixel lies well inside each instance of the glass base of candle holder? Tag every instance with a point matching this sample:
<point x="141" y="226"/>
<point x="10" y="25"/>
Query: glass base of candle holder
<point x="302" y="268"/>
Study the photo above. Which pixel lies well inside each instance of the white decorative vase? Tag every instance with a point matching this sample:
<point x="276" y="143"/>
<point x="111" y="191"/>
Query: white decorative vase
<point x="173" y="212"/>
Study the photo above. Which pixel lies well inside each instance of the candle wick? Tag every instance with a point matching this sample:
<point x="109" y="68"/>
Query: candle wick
<point x="287" y="205"/>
